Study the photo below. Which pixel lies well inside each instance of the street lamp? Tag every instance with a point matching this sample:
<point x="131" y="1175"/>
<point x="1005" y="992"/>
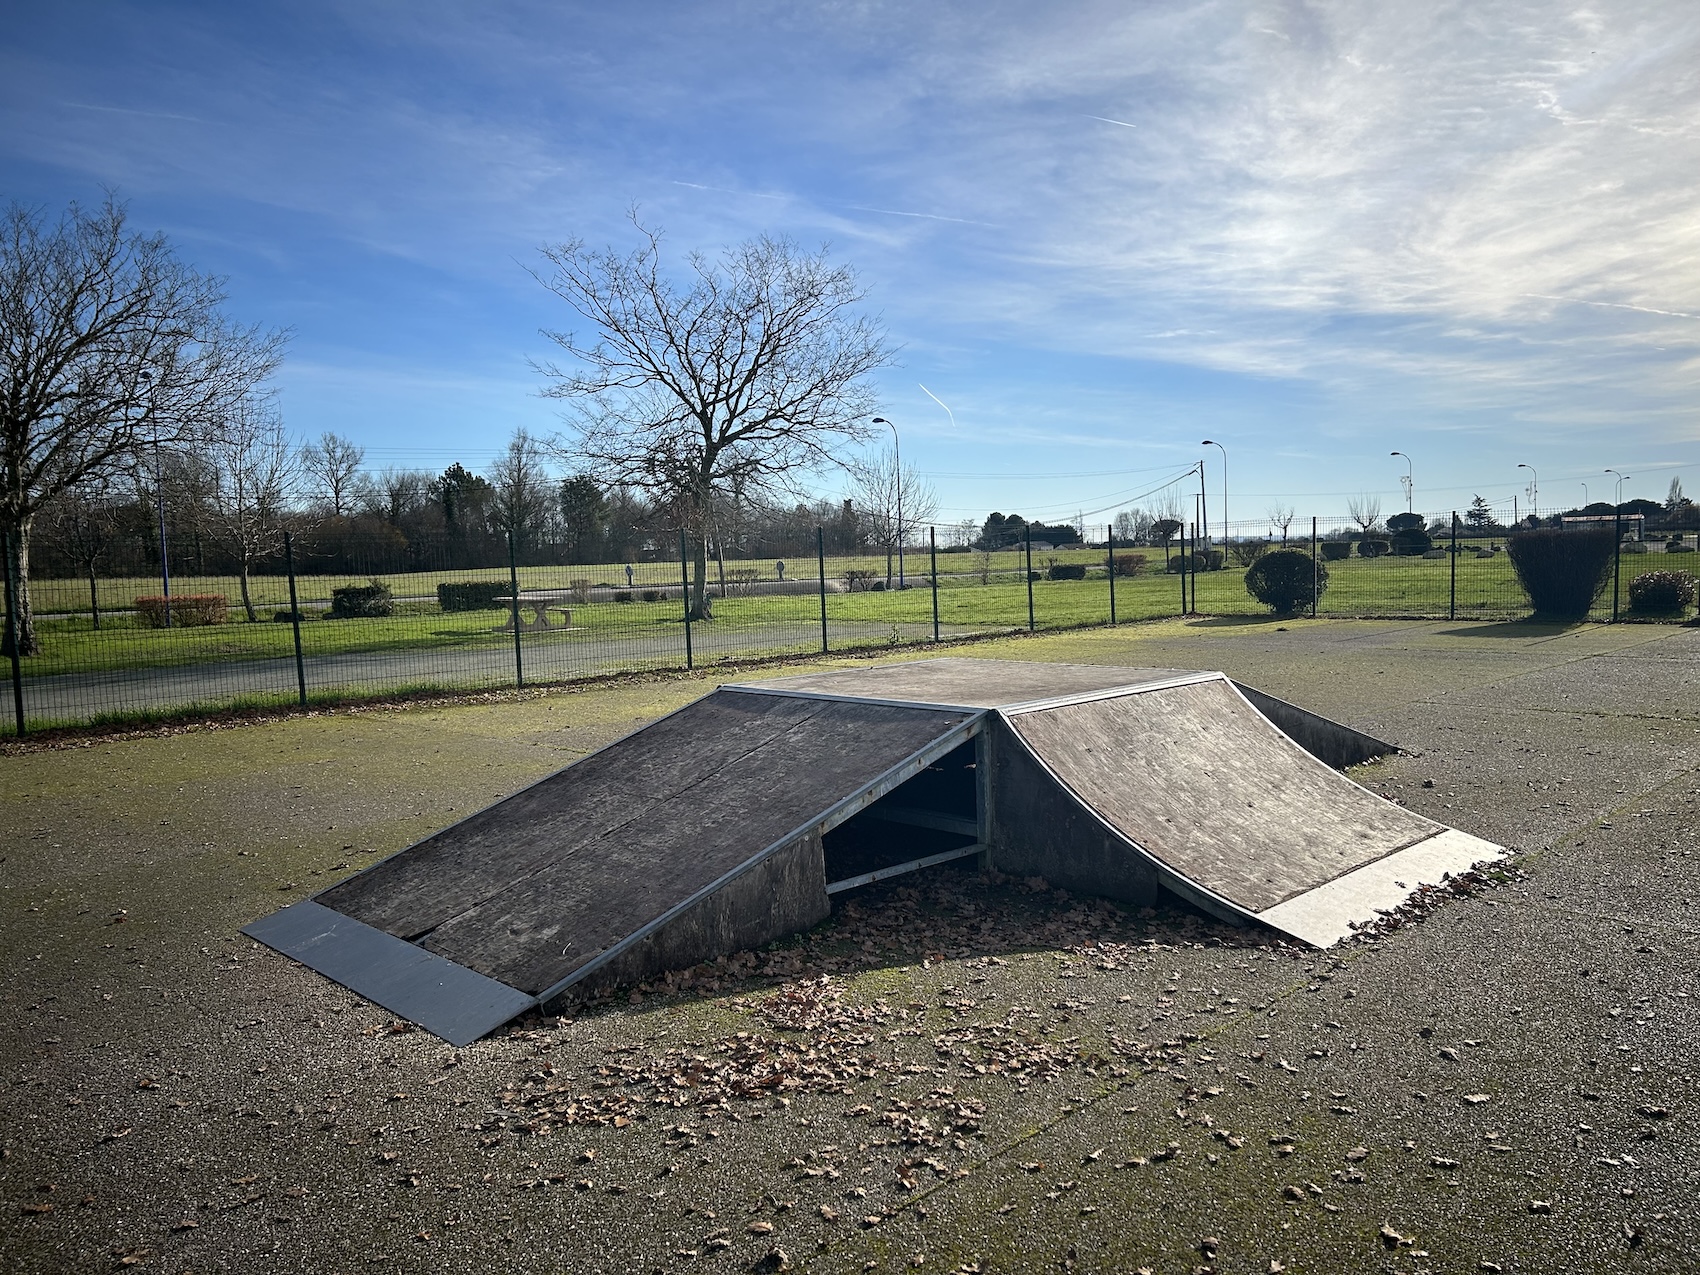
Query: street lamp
<point x="1534" y="487"/>
<point x="1409" y="480"/>
<point x="897" y="464"/>
<point x="1584" y="495"/>
<point x="1209" y="443"/>
<point x="1621" y="479"/>
<point x="146" y="377"/>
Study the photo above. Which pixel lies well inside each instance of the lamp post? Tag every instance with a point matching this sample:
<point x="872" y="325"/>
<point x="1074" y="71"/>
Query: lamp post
<point x="897" y="465"/>
<point x="146" y="378"/>
<point x="1409" y="480"/>
<point x="1534" y="487"/>
<point x="1621" y="479"/>
<point x="1584" y="495"/>
<point x="1210" y="443"/>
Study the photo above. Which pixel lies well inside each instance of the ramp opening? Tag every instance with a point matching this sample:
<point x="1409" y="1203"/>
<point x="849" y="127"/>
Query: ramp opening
<point x="931" y="819"/>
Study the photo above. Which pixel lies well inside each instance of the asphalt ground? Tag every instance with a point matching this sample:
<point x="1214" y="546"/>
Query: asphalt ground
<point x="952" y="1073"/>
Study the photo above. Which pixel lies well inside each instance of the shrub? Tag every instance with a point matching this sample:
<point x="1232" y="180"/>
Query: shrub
<point x="858" y="581"/>
<point x="1562" y="572"/>
<point x="1214" y="559"/>
<point x="1286" y="580"/>
<point x="1247" y="552"/>
<point x="1411" y="542"/>
<point x="622" y="595"/>
<point x="1335" y="550"/>
<point x="654" y="595"/>
<point x="1066" y="571"/>
<point x="362" y="601"/>
<point x="286" y="616"/>
<point x="1661" y="592"/>
<point x="1035" y="575"/>
<point x="471" y="595"/>
<point x="151" y="611"/>
<point x="1130" y="564"/>
<point x="192" y="609"/>
<point x="1678" y="546"/>
<point x="1187" y="562"/>
<point x="188" y="610"/>
<point x="1372" y="548"/>
<point x="579" y="590"/>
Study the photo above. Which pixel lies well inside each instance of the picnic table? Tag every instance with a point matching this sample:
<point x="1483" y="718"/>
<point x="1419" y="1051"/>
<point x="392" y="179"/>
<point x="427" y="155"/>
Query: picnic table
<point x="539" y="602"/>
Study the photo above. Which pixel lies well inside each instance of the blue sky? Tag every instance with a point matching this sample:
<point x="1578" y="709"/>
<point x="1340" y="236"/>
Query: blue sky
<point x="1101" y="232"/>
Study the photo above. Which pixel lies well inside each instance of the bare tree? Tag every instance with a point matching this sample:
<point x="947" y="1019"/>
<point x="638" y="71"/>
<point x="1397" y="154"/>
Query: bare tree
<point x="107" y="341"/>
<point x="396" y="492"/>
<point x="753" y="370"/>
<point x="525" y="494"/>
<point x="1133" y="526"/>
<point x="1365" y="511"/>
<point x="332" y="466"/>
<point x="881" y="492"/>
<point x="1281" y="515"/>
<point x="83" y="520"/>
<point x="253" y="472"/>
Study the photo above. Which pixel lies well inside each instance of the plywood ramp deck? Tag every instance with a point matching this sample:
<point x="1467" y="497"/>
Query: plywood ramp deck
<point x="1234" y="813"/>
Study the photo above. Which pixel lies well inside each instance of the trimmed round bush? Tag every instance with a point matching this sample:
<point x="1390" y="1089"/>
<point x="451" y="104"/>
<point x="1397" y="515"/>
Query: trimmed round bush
<point x="1411" y="542"/>
<point x="1661" y="592"/>
<point x="1561" y="571"/>
<point x="1286" y="580"/>
<point x="1372" y="548"/>
<point x="1335" y="550"/>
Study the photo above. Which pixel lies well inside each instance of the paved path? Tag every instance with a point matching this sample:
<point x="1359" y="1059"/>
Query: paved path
<point x="587" y="653"/>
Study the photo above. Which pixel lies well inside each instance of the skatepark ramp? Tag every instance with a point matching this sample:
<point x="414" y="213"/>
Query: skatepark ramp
<point x="734" y="820"/>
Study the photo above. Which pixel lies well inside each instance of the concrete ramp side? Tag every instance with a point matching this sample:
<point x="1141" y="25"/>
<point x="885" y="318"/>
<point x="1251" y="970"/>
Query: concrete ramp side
<point x="1230" y="812"/>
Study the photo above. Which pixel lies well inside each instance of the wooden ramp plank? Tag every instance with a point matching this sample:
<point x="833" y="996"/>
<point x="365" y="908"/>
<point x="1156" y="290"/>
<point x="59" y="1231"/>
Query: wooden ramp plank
<point x="1205" y="784"/>
<point x="619" y="787"/>
<point x="598" y="889"/>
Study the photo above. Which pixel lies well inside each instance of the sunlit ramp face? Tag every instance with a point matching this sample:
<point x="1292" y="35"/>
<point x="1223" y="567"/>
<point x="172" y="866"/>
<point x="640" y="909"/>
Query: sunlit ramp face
<point x="734" y="821"/>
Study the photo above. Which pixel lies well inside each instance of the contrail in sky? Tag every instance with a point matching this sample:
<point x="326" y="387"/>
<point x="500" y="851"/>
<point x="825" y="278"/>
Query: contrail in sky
<point x="940" y="402"/>
<point x="1612" y="305"/>
<point x="1105" y="119"/>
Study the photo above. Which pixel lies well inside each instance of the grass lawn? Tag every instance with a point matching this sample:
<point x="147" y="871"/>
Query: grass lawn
<point x="1486" y="588"/>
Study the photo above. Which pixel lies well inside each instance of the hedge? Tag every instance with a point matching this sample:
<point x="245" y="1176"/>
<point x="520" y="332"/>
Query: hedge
<point x="1562" y="571"/>
<point x="362" y="601"/>
<point x="188" y="610"/>
<point x="471" y="595"/>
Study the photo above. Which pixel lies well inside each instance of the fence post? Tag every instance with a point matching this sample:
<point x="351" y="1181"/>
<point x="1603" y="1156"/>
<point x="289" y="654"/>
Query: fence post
<point x="12" y="635"/>
<point x="1110" y="541"/>
<point x="820" y="557"/>
<point x="1452" y="602"/>
<point x="295" y="619"/>
<point x="513" y="609"/>
<point x="1315" y="568"/>
<point x="1027" y="533"/>
<point x="685" y="593"/>
<point x="1616" y="557"/>
<point x="933" y="549"/>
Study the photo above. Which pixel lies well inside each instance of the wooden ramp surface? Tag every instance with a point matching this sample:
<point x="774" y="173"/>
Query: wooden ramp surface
<point x="1234" y="811"/>
<point x="532" y="888"/>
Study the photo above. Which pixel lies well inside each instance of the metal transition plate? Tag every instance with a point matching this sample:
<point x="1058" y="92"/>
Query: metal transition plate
<point x="446" y="999"/>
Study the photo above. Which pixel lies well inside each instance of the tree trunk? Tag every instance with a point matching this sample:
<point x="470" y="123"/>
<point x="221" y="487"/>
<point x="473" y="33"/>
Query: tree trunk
<point x="247" y="601"/>
<point x="94" y="597"/>
<point x="888" y="568"/>
<point x="17" y="567"/>
<point x="702" y="606"/>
